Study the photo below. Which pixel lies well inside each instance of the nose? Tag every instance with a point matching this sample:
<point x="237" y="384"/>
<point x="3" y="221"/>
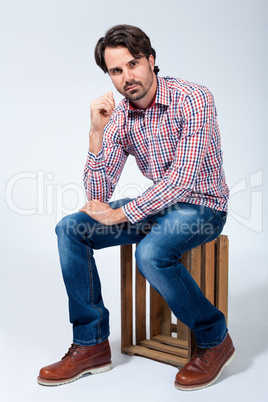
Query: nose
<point x="128" y="75"/>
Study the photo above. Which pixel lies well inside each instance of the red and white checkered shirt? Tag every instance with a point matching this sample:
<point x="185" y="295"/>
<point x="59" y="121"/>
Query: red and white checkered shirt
<point x="176" y="143"/>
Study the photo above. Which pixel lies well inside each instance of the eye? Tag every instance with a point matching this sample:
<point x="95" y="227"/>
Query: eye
<point x="115" y="71"/>
<point x="133" y="64"/>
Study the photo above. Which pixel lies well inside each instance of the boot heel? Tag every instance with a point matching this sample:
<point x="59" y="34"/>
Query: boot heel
<point x="102" y="369"/>
<point x="231" y="359"/>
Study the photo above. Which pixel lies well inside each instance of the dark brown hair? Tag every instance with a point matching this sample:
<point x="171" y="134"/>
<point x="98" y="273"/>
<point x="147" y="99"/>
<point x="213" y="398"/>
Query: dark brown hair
<point x="129" y="36"/>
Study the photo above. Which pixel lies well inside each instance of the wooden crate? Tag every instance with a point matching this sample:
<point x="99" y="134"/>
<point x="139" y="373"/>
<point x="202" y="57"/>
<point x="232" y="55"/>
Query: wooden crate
<point x="169" y="342"/>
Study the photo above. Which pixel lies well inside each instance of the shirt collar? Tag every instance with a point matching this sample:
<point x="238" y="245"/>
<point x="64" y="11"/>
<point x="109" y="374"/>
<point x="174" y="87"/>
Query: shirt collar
<point x="162" y="95"/>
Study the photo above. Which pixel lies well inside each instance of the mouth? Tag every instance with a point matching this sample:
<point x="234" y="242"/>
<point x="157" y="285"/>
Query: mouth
<point x="132" y="87"/>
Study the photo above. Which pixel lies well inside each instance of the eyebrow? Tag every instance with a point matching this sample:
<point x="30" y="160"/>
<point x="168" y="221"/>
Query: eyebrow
<point x="115" y="68"/>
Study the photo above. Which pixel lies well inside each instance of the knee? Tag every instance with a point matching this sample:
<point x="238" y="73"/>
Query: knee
<point x="147" y="258"/>
<point x="153" y="259"/>
<point x="71" y="225"/>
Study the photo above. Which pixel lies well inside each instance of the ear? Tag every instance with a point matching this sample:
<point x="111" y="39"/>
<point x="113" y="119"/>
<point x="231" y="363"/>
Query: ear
<point x="151" y="61"/>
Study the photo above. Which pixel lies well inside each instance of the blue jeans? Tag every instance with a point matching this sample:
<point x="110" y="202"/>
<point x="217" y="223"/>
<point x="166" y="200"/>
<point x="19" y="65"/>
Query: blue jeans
<point x="162" y="238"/>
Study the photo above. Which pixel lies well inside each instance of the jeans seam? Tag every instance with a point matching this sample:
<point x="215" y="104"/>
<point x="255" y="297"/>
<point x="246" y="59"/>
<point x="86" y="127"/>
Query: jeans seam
<point x="186" y="290"/>
<point x="92" y="294"/>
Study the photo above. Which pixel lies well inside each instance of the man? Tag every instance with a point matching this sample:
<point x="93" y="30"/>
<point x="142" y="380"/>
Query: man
<point x="170" y="126"/>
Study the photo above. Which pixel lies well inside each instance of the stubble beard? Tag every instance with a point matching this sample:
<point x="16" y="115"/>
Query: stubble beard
<point x="140" y="92"/>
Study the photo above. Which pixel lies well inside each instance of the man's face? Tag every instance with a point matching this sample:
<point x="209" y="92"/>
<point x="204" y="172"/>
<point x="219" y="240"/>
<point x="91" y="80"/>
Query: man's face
<point x="133" y="78"/>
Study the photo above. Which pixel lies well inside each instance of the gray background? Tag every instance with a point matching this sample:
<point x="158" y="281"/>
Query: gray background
<point x="48" y="78"/>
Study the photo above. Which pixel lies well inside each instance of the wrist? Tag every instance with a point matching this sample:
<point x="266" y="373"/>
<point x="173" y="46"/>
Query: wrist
<point x="95" y="132"/>
<point x="119" y="216"/>
<point x="95" y="141"/>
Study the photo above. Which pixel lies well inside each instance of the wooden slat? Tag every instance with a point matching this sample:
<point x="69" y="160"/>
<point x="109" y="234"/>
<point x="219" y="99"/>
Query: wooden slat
<point x="165" y="318"/>
<point x="155" y="313"/>
<point x="165" y="348"/>
<point x="208" y="271"/>
<point x="195" y="264"/>
<point x="156" y="355"/>
<point x="160" y="315"/>
<point x="169" y="340"/>
<point x="182" y="331"/>
<point x="222" y="274"/>
<point x="140" y="306"/>
<point x="126" y="296"/>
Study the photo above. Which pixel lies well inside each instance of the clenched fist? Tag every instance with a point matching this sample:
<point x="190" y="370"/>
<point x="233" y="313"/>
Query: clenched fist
<point x="101" y="110"/>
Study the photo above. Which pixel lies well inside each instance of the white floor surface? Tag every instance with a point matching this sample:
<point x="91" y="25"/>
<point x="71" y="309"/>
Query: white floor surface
<point x="37" y="333"/>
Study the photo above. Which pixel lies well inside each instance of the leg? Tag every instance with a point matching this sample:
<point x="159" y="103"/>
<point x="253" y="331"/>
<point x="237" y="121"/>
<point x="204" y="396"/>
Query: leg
<point x="78" y="234"/>
<point x="176" y="230"/>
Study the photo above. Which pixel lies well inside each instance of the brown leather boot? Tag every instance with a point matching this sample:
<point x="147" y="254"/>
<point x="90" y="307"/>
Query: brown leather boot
<point x="205" y="366"/>
<point x="77" y="361"/>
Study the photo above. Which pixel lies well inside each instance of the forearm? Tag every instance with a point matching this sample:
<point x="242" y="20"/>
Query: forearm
<point x="96" y="181"/>
<point x="155" y="199"/>
<point x="102" y="171"/>
<point x="118" y="216"/>
<point x="95" y="141"/>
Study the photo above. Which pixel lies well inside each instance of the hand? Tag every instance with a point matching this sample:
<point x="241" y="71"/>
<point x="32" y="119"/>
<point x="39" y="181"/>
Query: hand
<point x="101" y="110"/>
<point x="103" y="213"/>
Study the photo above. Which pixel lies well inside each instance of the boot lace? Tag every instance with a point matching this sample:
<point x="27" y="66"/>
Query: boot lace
<point x="203" y="354"/>
<point x="73" y="350"/>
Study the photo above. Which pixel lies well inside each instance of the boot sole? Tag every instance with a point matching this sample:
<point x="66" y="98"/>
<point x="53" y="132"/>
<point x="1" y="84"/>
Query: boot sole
<point x="93" y="370"/>
<point x="208" y="383"/>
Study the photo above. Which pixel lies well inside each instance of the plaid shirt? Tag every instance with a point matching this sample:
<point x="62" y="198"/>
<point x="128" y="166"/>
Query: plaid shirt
<point x="176" y="143"/>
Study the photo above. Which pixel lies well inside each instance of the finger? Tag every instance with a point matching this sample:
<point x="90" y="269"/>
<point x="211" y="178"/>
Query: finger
<point x="103" y="104"/>
<point x="99" y="103"/>
<point x="110" y="97"/>
<point x="109" y="100"/>
<point x="110" y="94"/>
<point x="113" y="101"/>
<point x="85" y="208"/>
<point x="85" y="211"/>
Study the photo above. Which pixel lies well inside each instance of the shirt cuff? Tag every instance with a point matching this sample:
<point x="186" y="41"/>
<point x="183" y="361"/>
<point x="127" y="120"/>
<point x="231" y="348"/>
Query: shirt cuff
<point x="95" y="162"/>
<point x="133" y="212"/>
